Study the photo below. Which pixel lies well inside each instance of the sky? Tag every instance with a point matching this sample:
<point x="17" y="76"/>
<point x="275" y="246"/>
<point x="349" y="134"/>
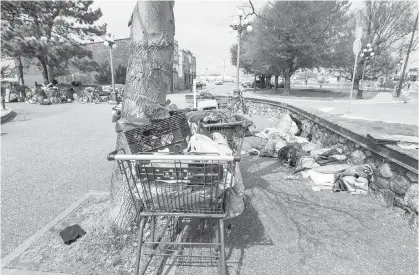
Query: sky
<point x="200" y="26"/>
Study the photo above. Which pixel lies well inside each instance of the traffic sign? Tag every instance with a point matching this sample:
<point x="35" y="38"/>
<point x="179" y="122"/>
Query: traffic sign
<point x="356" y="46"/>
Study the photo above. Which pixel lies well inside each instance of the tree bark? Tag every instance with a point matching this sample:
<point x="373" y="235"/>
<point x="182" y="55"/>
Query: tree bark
<point x="287" y="82"/>
<point x="148" y="80"/>
<point x="276" y="82"/>
<point x="18" y="60"/>
<point x="51" y="73"/>
<point x="44" y="68"/>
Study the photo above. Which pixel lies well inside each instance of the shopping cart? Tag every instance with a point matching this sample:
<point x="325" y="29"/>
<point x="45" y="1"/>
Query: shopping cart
<point x="233" y="132"/>
<point x="186" y="189"/>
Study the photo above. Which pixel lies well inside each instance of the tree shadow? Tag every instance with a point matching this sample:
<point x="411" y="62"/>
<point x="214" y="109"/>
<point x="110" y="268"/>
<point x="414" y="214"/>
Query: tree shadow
<point x="13" y="114"/>
<point x="21" y="117"/>
<point x="318" y="221"/>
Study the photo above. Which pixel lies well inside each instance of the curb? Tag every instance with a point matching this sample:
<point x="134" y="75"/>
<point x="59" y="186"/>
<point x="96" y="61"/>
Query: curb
<point x="32" y="239"/>
<point x="365" y="102"/>
<point x="7" y="115"/>
<point x="6" y="271"/>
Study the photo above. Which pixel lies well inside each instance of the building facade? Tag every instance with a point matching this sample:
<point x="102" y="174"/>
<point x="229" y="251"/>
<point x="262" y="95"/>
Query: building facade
<point x="187" y="65"/>
<point x="120" y="57"/>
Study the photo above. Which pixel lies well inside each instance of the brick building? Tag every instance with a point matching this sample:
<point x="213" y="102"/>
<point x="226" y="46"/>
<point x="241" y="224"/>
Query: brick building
<point x="120" y="56"/>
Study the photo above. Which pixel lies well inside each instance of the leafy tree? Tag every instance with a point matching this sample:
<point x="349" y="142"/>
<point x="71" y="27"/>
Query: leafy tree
<point x="104" y="75"/>
<point x="53" y="31"/>
<point x="12" y="35"/>
<point x="290" y="35"/>
<point x="120" y="74"/>
<point x="387" y="25"/>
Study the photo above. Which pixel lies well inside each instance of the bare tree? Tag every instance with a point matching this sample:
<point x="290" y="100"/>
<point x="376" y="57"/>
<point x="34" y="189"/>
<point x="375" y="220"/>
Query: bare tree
<point x="147" y="83"/>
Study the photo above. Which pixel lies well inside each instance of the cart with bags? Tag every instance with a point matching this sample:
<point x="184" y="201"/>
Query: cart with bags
<point x="182" y="193"/>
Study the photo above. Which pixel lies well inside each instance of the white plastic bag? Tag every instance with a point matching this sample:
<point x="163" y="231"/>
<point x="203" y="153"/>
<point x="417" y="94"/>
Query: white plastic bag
<point x="234" y="199"/>
<point x="203" y="144"/>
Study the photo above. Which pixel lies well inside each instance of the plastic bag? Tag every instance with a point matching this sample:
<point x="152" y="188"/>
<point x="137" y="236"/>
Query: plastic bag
<point x="234" y="200"/>
<point x="287" y="125"/>
<point x="355" y="185"/>
<point x="203" y="144"/>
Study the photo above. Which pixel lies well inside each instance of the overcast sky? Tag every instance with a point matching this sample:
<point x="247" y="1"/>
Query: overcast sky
<point x="201" y="27"/>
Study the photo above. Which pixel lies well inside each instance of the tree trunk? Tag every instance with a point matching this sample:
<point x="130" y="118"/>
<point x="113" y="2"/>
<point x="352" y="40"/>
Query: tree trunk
<point x="357" y="88"/>
<point x="44" y="68"/>
<point x="148" y="81"/>
<point x="254" y="85"/>
<point x="276" y="82"/>
<point x="51" y="73"/>
<point x="18" y="60"/>
<point x="262" y="81"/>
<point x="287" y="82"/>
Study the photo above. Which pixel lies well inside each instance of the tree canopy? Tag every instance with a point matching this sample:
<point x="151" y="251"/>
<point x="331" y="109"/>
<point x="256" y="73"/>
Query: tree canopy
<point x="289" y="35"/>
<point x="52" y="32"/>
<point x="292" y="35"/>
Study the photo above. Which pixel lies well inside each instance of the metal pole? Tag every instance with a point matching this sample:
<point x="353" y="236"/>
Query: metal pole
<point x="238" y="52"/>
<point x="224" y="73"/>
<point x="407" y="58"/>
<point x="353" y="81"/>
<point x="113" y="78"/>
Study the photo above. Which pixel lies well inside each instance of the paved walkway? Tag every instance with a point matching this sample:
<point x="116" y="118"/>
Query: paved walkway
<point x="51" y="156"/>
<point x="287" y="228"/>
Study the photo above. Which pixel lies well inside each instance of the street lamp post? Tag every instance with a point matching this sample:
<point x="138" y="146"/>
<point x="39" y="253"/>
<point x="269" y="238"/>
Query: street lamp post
<point x="240" y="27"/>
<point x="110" y="42"/>
<point x="367" y="53"/>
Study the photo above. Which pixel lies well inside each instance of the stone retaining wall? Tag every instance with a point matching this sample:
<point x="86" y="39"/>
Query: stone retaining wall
<point x="395" y="174"/>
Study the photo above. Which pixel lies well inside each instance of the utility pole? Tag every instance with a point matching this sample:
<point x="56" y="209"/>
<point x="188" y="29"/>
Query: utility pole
<point x="407" y="58"/>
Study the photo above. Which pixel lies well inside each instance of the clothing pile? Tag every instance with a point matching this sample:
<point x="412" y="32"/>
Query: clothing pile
<point x="328" y="168"/>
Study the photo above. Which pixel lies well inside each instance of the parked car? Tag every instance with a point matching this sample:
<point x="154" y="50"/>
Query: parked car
<point x="218" y="83"/>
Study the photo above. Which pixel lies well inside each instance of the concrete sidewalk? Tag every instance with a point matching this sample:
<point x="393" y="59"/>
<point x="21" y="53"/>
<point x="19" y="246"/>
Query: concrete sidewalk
<point x="287" y="228"/>
<point x="380" y="98"/>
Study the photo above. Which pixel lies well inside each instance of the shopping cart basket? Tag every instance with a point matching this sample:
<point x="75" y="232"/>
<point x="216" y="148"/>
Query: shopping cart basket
<point x="233" y="132"/>
<point x="159" y="135"/>
<point x="181" y="188"/>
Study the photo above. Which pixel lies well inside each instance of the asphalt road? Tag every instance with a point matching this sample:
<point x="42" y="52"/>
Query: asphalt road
<point x="53" y="155"/>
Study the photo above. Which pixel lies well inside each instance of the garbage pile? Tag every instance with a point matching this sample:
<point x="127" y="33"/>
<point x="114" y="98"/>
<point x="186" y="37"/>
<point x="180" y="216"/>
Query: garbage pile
<point x="328" y="168"/>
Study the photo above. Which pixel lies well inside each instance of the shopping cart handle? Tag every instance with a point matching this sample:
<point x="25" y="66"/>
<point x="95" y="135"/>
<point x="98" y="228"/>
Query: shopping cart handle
<point x="111" y="155"/>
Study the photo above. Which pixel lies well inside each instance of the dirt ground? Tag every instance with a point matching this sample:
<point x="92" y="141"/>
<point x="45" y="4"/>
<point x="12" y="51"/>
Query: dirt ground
<point x="97" y="252"/>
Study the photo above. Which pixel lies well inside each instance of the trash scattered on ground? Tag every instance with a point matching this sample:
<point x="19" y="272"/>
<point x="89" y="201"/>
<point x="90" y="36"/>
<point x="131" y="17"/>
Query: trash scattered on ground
<point x="327" y="168"/>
